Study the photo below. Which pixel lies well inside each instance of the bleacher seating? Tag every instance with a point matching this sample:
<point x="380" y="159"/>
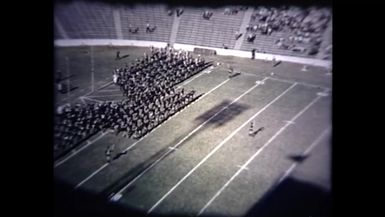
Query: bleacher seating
<point x="139" y="16"/>
<point x="215" y="32"/>
<point x="267" y="43"/>
<point x="86" y="20"/>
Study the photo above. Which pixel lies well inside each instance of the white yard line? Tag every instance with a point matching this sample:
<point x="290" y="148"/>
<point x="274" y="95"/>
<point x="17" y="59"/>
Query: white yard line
<point x="90" y="176"/>
<point x="134" y="144"/>
<point x="60" y="162"/>
<point x="301" y="83"/>
<point x="306" y="152"/>
<point x="256" y="154"/>
<point x="84" y="97"/>
<point x="120" y="94"/>
<point x="182" y="140"/>
<point x="217" y="148"/>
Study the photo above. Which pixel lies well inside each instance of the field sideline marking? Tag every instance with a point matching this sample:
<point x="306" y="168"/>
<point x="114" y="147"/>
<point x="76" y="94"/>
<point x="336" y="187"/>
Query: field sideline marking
<point x="83" y="97"/>
<point x="110" y="90"/>
<point x="306" y="152"/>
<point x="182" y="140"/>
<point x="217" y="148"/>
<point x="135" y="143"/>
<point x="257" y="153"/>
<point x="78" y="150"/>
<point x="88" y="98"/>
<point x="186" y="82"/>
<point x="301" y="83"/>
<point x="290" y="82"/>
<point x="120" y="94"/>
<point x="90" y="176"/>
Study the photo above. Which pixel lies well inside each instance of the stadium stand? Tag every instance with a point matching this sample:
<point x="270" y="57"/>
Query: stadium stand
<point x="139" y="16"/>
<point x="84" y="20"/>
<point x="296" y="29"/>
<point x="194" y="29"/>
<point x="290" y="31"/>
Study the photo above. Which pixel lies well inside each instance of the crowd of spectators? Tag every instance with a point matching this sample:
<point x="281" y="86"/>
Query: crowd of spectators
<point x="135" y="30"/>
<point x="179" y="11"/>
<point x="304" y="26"/>
<point x="207" y="14"/>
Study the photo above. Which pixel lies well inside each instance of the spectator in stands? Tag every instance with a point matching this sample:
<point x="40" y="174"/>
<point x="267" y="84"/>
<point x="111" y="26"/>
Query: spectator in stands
<point x="169" y="12"/>
<point x="255" y="28"/>
<point x="207" y="14"/>
<point x="328" y="49"/>
<point x="237" y="35"/>
<point x="179" y="11"/>
<point x="131" y="29"/>
<point x="313" y="50"/>
<point x="227" y="11"/>
<point x="251" y="37"/>
<point x="149" y="28"/>
<point x="224" y="46"/>
<point x="248" y="28"/>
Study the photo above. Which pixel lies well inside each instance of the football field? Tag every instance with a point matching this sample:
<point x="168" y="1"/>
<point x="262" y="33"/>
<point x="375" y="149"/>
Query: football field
<point x="202" y="161"/>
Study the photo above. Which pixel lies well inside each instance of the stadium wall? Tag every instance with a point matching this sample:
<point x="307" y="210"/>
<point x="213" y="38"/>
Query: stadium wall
<point x="223" y="52"/>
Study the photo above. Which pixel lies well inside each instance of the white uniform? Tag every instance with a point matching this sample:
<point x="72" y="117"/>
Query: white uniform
<point x="115" y="78"/>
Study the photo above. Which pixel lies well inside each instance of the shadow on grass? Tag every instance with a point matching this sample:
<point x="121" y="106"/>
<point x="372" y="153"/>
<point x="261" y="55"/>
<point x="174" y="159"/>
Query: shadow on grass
<point x="224" y="116"/>
<point x="68" y="203"/>
<point x="293" y="198"/>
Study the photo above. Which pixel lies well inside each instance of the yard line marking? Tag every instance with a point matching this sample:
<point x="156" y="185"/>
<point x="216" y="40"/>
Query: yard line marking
<point x="323" y="93"/>
<point x="186" y="137"/>
<point x="306" y="152"/>
<point x="256" y="154"/>
<point x="290" y="82"/>
<point x="217" y="148"/>
<point x="193" y="79"/>
<point x="121" y="94"/>
<point x="109" y="90"/>
<point x="259" y="82"/>
<point x="135" y="143"/>
<point x="301" y="83"/>
<point x="128" y="148"/>
<point x="243" y="167"/>
<point x="105" y="85"/>
<point x="290" y="122"/>
<point x="87" y="94"/>
<point x="79" y="150"/>
<point x="83" y="98"/>
<point x="99" y="88"/>
<point x="90" y="176"/>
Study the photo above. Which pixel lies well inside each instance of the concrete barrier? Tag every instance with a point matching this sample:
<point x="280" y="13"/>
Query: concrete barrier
<point x="220" y="51"/>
